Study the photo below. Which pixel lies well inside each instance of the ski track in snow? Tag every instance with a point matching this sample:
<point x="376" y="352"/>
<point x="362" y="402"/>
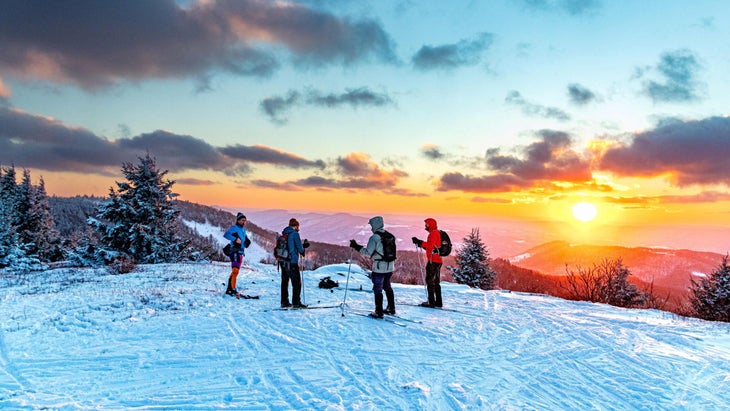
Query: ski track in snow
<point x="165" y="337"/>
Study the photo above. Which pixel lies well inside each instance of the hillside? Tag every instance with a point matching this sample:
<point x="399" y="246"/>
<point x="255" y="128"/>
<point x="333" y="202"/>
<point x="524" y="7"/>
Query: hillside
<point x="164" y="337"/>
<point x="666" y="268"/>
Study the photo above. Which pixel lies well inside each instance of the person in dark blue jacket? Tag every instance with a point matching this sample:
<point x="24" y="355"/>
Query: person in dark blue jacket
<point x="290" y="266"/>
<point x="239" y="241"/>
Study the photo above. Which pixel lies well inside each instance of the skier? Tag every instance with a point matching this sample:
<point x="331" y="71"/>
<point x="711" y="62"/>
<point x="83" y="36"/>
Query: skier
<point x="239" y="241"/>
<point x="433" y="264"/>
<point x="290" y="266"/>
<point x="382" y="270"/>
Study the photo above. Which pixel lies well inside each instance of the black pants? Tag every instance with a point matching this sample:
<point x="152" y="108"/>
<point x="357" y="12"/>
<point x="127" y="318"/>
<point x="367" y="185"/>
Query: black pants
<point x="433" y="284"/>
<point x="290" y="271"/>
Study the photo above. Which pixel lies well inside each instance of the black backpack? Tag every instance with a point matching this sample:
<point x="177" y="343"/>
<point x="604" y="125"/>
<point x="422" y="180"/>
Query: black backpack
<point x="445" y="248"/>
<point x="388" y="241"/>
<point x="328" y="283"/>
<point x="281" y="249"/>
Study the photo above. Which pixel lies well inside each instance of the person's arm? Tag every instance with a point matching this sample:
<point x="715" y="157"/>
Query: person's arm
<point x="231" y="234"/>
<point x="369" y="250"/>
<point x="297" y="242"/>
<point x="431" y="242"/>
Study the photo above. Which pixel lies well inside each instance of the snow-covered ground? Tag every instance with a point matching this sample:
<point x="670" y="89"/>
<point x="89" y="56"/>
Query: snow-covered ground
<point x="165" y="337"/>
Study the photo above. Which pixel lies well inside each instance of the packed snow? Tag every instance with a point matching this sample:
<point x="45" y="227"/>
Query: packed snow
<point x="165" y="337"/>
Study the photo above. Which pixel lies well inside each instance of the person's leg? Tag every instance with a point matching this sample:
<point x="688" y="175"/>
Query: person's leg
<point x="284" y="284"/>
<point x="377" y="279"/>
<point x="389" y="295"/>
<point x="437" y="285"/>
<point x="296" y="285"/>
<point x="430" y="285"/>
<point x="235" y="268"/>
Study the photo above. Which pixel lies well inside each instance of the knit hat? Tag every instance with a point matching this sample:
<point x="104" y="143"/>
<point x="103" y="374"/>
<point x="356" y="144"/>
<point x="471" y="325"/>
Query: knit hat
<point x="240" y="216"/>
<point x="293" y="222"/>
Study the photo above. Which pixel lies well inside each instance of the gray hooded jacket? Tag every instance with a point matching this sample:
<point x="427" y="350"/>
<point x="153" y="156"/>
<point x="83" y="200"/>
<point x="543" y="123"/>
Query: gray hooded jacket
<point x="374" y="249"/>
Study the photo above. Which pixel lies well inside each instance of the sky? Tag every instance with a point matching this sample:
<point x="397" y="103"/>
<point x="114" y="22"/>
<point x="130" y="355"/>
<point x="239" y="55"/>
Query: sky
<point x="505" y="108"/>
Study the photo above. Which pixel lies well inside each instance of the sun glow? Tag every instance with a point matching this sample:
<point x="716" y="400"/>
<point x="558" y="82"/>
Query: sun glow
<point x="584" y="211"/>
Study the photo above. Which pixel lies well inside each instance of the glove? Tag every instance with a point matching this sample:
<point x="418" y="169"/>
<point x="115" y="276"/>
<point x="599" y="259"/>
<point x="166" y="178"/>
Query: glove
<point x="416" y="241"/>
<point x="306" y="244"/>
<point x="246" y="243"/>
<point x="355" y="245"/>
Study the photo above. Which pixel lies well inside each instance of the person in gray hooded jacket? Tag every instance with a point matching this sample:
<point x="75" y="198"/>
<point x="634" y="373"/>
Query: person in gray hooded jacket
<point x="382" y="270"/>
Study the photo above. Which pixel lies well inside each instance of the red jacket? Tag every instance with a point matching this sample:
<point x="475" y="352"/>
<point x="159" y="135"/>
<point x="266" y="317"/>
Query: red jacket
<point x="433" y="241"/>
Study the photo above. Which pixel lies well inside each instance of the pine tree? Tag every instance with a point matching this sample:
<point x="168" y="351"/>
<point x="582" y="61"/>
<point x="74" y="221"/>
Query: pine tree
<point x="34" y="222"/>
<point x="472" y="263"/>
<point x="711" y="296"/>
<point x="139" y="220"/>
<point x="12" y="253"/>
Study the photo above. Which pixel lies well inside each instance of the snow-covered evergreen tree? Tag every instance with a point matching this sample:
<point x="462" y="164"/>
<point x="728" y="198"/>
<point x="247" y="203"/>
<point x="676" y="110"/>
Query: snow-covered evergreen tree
<point x="139" y="220"/>
<point x="12" y="253"/>
<point x="34" y="222"/>
<point x="711" y="296"/>
<point x="472" y="263"/>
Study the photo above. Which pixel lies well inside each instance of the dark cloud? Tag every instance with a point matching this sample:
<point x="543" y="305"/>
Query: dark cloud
<point x="433" y="152"/>
<point x="176" y="152"/>
<point x="679" y="83"/>
<point x="268" y="155"/>
<point x="351" y="97"/>
<point x="354" y="171"/>
<point x="275" y="107"/>
<point x="552" y="158"/>
<point x="437" y="153"/>
<point x="572" y="7"/>
<point x="466" y="52"/>
<point x="39" y="142"/>
<point x="532" y="109"/>
<point x="687" y="152"/>
<point x="98" y="43"/>
<point x="538" y="164"/>
<point x="482" y="184"/>
<point x="580" y="95"/>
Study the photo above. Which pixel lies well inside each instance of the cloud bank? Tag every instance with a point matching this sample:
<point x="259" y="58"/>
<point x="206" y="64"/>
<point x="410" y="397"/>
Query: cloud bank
<point x="116" y="41"/>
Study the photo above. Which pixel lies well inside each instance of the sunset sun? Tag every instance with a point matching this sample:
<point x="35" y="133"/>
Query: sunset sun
<point x="584" y="211"/>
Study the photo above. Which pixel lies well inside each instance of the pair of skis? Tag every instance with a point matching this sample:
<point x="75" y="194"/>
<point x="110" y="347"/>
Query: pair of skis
<point x="391" y="318"/>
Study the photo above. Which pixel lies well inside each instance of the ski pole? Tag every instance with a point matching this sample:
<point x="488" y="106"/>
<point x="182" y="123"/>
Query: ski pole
<point x="301" y="276"/>
<point x="347" y="283"/>
<point x="420" y="265"/>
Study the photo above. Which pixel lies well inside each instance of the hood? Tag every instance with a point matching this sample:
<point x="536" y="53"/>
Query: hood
<point x="431" y="224"/>
<point x="288" y="230"/>
<point x="376" y="223"/>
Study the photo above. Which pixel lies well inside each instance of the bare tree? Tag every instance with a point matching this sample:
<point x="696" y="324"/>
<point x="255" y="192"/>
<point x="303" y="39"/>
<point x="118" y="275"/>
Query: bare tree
<point x="604" y="282"/>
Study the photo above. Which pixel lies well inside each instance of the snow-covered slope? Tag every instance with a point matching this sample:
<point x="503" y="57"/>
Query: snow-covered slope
<point x="164" y="337"/>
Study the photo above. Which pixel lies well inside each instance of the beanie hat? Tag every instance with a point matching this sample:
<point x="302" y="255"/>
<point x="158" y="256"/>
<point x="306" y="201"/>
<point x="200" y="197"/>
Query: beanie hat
<point x="240" y="216"/>
<point x="293" y="222"/>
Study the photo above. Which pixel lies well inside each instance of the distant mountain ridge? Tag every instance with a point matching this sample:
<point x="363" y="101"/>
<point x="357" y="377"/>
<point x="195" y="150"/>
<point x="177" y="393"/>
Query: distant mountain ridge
<point x="668" y="268"/>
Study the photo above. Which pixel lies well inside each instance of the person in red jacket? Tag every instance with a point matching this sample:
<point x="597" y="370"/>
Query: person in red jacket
<point x="433" y="264"/>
